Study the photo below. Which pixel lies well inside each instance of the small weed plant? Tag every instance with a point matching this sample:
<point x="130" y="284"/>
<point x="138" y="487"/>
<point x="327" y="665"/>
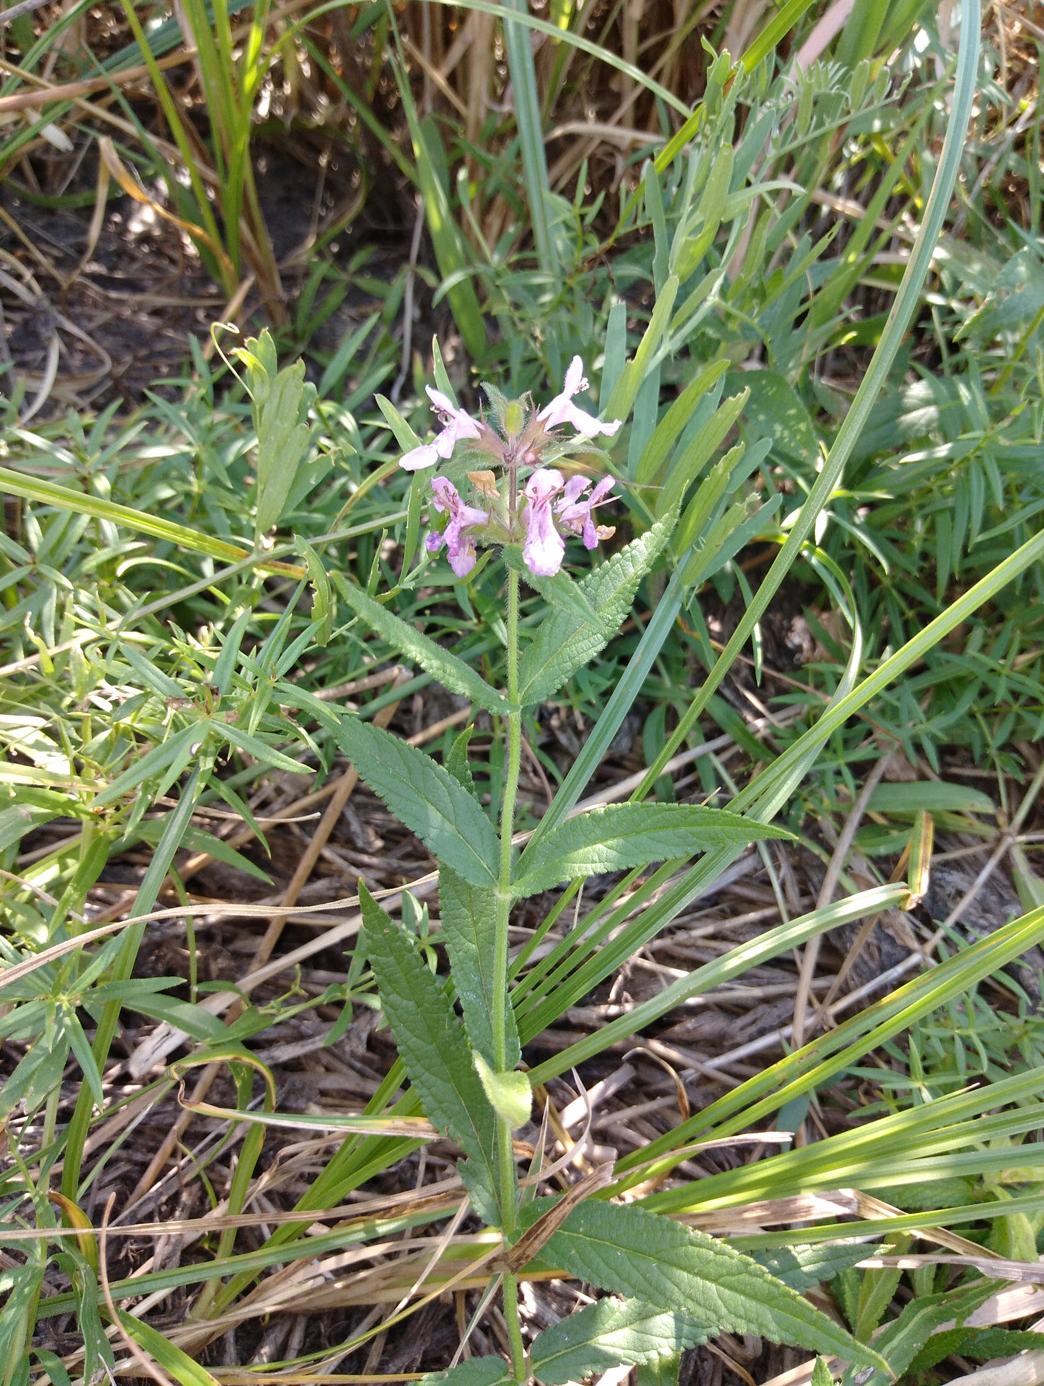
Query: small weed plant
<point x="243" y="584"/>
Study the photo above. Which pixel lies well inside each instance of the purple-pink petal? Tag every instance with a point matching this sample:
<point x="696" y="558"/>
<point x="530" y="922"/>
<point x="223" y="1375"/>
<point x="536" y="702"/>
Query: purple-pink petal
<point x="543" y="547"/>
<point x="562" y="410"/>
<point x="460" y="545"/>
<point x="577" y="514"/>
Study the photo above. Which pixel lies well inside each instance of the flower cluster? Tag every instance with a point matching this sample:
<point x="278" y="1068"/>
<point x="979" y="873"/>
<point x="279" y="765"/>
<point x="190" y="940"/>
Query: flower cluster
<point x="546" y="509"/>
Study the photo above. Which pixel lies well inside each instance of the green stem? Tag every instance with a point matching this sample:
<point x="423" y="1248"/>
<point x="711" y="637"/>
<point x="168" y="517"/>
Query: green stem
<point x="514" y="1330"/>
<point x="508" y="1192"/>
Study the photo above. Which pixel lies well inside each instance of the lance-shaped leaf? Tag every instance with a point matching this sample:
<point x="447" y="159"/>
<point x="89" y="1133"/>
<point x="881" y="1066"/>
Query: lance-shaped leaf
<point x="450" y="671"/>
<point x="906" y="1335"/>
<point x="430" y="1040"/>
<point x="611" y="1333"/>
<point x="620" y="836"/>
<point x="468" y="917"/>
<point x="806" y="1265"/>
<point x="565" y="641"/>
<point x="426" y="798"/>
<point x="626" y="1250"/>
<point x="617" y="1332"/>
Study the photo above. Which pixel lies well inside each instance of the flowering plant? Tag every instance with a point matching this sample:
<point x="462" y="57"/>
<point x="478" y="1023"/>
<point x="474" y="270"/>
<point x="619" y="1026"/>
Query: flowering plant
<point x="528" y="494"/>
<point x="546" y="509"/>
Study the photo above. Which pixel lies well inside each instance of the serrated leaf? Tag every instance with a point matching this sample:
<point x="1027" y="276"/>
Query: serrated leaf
<point x="468" y="916"/>
<point x="559" y="591"/>
<point x="620" y="836"/>
<point x="480" y="1371"/>
<point x="509" y="1093"/>
<point x="430" y="1039"/>
<point x="801" y="1267"/>
<point x="450" y="671"/>
<point x="980" y="1344"/>
<point x="457" y="759"/>
<point x="565" y="642"/>
<point x="628" y="1251"/>
<point x="426" y="798"/>
<point x="903" y="1337"/>
<point x="608" y="1334"/>
<point x="659" y="1371"/>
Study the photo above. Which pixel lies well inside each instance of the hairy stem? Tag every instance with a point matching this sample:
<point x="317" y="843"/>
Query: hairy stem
<point x="508" y="1191"/>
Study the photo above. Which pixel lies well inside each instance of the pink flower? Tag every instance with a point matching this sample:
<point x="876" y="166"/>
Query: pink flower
<point x="544" y="547"/>
<point x="456" y="424"/>
<point x="562" y="410"/>
<point x="575" y="513"/>
<point x="460" y="546"/>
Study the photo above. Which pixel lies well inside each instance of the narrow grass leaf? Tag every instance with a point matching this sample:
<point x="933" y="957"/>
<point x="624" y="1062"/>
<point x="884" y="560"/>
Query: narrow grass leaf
<point x="168" y="1355"/>
<point x="45" y="492"/>
<point x="929" y="796"/>
<point x="526" y="106"/>
<point x="903" y="307"/>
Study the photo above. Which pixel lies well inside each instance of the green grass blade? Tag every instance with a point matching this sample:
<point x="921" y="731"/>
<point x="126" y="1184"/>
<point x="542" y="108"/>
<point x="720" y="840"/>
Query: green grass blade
<point x="877" y="373"/>
<point x="530" y="131"/>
